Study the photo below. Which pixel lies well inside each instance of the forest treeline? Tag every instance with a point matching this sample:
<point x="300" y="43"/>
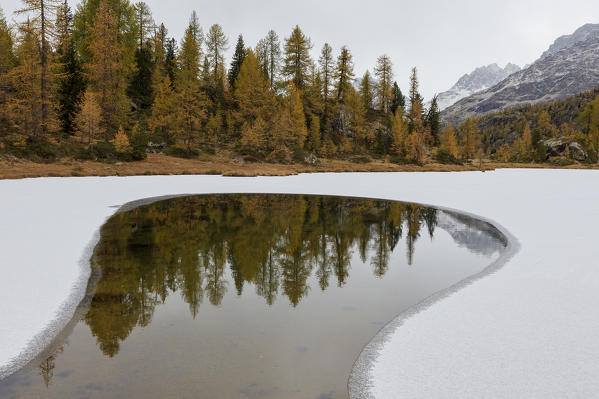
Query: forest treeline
<point x="111" y="77"/>
<point x="536" y="133"/>
<point x="107" y="81"/>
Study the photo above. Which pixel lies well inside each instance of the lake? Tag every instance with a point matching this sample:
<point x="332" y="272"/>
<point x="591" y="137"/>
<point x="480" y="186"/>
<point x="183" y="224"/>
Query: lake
<point x="249" y="295"/>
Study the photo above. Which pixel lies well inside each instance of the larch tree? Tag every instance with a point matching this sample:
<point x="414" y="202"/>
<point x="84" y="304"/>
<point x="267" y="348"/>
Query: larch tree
<point x="523" y="145"/>
<point x="268" y="52"/>
<point x="164" y="112"/>
<point x="416" y="110"/>
<point x="25" y="106"/>
<point x="327" y="70"/>
<point x="313" y="93"/>
<point x="255" y="103"/>
<point x="217" y="44"/>
<point x="297" y="61"/>
<point x="589" y="117"/>
<point x="344" y="73"/>
<point x="70" y="79"/>
<point x="298" y="130"/>
<point x="145" y="23"/>
<point x="238" y="57"/>
<point x="416" y="122"/>
<point x="88" y="120"/>
<point x="159" y="40"/>
<point x="544" y="126"/>
<point x="191" y="101"/>
<point x="449" y="142"/>
<point x="469" y="139"/>
<point x="7" y="63"/>
<point x="313" y="141"/>
<point x="399" y="134"/>
<point x="107" y="70"/>
<point x="384" y="74"/>
<point x="42" y="24"/>
<point x="189" y="55"/>
<point x="125" y="24"/>
<point x="357" y="118"/>
<point x="367" y="91"/>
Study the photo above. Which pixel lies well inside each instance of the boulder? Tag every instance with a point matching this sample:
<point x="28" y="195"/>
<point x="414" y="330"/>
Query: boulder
<point x="557" y="147"/>
<point x="577" y="152"/>
<point x="311" y="159"/>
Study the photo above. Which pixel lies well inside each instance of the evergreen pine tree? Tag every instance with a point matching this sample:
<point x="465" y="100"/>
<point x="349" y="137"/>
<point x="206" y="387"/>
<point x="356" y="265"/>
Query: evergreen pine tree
<point x="433" y="122"/>
<point x="238" y="57"/>
<point x="140" y="89"/>
<point x="70" y="85"/>
<point x="397" y="99"/>
<point x="170" y="59"/>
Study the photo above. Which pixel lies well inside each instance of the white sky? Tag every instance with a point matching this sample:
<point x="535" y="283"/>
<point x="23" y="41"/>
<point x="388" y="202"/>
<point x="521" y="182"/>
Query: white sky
<point x="443" y="39"/>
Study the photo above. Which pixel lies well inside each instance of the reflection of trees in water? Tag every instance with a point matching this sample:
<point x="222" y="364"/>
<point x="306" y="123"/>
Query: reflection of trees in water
<point x="274" y="242"/>
<point x="47" y="367"/>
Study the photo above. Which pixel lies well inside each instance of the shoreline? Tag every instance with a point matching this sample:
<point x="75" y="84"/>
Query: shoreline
<point x="360" y="382"/>
<point x="162" y="165"/>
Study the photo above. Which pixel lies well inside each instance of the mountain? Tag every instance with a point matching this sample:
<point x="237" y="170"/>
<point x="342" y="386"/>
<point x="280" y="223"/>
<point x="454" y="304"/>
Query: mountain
<point x="581" y="34"/>
<point x="480" y="79"/>
<point x="570" y="66"/>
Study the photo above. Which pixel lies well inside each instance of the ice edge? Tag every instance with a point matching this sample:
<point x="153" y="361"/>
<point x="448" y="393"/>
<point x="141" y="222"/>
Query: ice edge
<point x="360" y="380"/>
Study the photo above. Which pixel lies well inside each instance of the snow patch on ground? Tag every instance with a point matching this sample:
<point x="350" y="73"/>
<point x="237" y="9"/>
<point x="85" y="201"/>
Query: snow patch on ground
<point x="528" y="330"/>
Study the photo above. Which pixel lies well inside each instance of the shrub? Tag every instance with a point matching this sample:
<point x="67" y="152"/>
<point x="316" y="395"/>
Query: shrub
<point x="181" y="152"/>
<point x="360" y="159"/>
<point x="445" y="157"/>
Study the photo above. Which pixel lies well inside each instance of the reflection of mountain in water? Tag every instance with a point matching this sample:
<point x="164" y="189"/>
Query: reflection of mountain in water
<point x="476" y="235"/>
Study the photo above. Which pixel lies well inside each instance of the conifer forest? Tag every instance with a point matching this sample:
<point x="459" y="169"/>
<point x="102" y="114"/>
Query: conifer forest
<point x="106" y="81"/>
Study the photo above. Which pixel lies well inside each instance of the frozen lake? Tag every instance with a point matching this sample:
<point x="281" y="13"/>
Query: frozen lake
<point x="238" y="295"/>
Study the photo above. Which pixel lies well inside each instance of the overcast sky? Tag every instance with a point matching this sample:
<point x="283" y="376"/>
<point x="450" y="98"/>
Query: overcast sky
<point x="444" y="39"/>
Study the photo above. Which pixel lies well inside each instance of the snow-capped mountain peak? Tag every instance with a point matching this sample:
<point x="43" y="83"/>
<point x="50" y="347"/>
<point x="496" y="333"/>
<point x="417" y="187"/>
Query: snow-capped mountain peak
<point x="480" y="79"/>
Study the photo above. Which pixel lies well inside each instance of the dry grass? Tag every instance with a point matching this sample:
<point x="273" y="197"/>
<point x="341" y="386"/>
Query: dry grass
<point x="164" y="165"/>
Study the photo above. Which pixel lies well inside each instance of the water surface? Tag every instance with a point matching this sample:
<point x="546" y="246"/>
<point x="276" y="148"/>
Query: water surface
<point x="249" y="296"/>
